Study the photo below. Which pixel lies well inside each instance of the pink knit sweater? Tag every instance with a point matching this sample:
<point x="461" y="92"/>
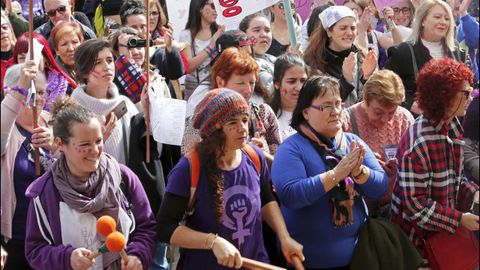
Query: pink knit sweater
<point x="377" y="138"/>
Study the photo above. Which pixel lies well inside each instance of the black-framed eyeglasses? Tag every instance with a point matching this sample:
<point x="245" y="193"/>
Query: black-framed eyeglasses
<point x="53" y="12"/>
<point x="404" y="10"/>
<point x="154" y="13"/>
<point x="467" y="92"/>
<point x="292" y="6"/>
<point x="328" y="108"/>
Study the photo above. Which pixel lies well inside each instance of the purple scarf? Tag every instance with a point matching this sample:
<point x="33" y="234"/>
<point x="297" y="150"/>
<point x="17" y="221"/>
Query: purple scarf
<point x="99" y="195"/>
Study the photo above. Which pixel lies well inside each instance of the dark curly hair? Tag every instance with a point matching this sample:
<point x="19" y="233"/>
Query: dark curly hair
<point x="210" y="150"/>
<point x="437" y="84"/>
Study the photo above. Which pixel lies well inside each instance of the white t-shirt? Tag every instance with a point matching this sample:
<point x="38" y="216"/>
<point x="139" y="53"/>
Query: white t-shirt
<point x="284" y="125"/>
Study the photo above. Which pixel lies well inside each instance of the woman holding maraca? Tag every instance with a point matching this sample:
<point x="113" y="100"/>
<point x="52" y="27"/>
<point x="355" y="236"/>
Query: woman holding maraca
<point x="83" y="185"/>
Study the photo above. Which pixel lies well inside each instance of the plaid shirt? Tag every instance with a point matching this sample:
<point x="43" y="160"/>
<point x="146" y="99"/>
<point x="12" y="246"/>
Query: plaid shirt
<point x="130" y="77"/>
<point x="431" y="191"/>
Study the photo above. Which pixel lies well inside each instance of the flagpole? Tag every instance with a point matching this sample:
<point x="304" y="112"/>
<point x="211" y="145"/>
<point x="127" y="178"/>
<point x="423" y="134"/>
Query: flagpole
<point x="147" y="73"/>
<point x="33" y="105"/>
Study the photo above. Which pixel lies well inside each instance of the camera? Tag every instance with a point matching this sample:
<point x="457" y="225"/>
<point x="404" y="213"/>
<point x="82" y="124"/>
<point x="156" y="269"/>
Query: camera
<point x="135" y="42"/>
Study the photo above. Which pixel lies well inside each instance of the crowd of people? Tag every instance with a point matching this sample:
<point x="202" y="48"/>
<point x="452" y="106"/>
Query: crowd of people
<point x="287" y="151"/>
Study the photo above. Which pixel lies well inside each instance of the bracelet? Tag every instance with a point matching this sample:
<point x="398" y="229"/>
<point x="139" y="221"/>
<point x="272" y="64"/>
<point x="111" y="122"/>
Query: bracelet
<point x="210" y="246"/>
<point x="210" y="51"/>
<point x="331" y="174"/>
<point x="362" y="172"/>
<point x="16" y="88"/>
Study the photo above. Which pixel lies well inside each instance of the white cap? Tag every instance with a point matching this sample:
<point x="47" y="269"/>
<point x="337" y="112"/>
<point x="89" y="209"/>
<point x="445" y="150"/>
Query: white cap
<point x="333" y="14"/>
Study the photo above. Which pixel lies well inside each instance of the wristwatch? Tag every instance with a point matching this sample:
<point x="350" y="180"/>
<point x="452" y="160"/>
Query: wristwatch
<point x="363" y="171"/>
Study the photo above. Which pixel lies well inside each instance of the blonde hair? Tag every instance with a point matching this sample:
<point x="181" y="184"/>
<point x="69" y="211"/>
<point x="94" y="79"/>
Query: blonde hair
<point x="6" y="20"/>
<point x="385" y="86"/>
<point x="420" y="15"/>
<point x="162" y="18"/>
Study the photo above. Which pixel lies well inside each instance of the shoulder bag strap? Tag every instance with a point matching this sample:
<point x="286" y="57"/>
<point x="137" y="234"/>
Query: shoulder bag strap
<point x="414" y="60"/>
<point x="353" y="121"/>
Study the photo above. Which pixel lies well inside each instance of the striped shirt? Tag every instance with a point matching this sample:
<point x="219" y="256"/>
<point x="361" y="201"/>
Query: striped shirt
<point x="431" y="192"/>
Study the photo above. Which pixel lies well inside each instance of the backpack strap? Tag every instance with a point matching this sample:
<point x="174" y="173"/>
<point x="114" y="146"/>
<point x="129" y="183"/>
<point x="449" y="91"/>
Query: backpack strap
<point x="247" y="149"/>
<point x="194" y="161"/>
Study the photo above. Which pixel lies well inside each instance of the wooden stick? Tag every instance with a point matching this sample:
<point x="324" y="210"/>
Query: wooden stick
<point x="34" y="105"/>
<point x="256" y="265"/>
<point x="147" y="73"/>
<point x="72" y="7"/>
<point x="124" y="256"/>
<point x="178" y="89"/>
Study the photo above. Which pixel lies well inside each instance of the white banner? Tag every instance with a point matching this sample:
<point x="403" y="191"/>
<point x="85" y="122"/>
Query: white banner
<point x="231" y="12"/>
<point x="177" y="15"/>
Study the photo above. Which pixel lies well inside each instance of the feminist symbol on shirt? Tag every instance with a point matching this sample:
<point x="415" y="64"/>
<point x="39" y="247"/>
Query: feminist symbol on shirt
<point x="239" y="212"/>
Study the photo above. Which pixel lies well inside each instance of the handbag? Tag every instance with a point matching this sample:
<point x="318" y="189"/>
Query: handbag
<point x="458" y="251"/>
<point x="382" y="244"/>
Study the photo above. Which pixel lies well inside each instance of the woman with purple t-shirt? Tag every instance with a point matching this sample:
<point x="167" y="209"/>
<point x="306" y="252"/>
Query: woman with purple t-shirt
<point x="231" y="197"/>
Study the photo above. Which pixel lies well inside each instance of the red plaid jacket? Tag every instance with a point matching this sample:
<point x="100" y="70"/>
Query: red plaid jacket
<point x="431" y="191"/>
<point x="130" y="77"/>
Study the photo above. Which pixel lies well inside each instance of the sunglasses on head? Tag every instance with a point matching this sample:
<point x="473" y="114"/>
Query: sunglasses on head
<point x="292" y="6"/>
<point x="53" y="12"/>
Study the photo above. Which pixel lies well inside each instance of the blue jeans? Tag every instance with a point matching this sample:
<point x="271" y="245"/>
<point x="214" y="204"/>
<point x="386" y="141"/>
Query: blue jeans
<point x="160" y="260"/>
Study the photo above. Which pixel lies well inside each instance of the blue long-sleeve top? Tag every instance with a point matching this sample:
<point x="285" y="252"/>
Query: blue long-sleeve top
<point x="306" y="206"/>
<point x="468" y="31"/>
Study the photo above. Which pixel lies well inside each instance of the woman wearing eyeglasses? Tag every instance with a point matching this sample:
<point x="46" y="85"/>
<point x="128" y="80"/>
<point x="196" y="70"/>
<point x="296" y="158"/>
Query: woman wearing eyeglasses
<point x="157" y="21"/>
<point x="431" y="194"/>
<point x="319" y="174"/>
<point x="281" y="36"/>
<point x="19" y="137"/>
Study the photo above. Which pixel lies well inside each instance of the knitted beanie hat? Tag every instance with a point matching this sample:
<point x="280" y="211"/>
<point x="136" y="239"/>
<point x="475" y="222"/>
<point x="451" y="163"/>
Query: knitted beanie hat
<point x="218" y="106"/>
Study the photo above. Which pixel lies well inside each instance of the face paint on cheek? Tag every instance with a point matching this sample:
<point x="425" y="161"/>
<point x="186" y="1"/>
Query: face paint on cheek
<point x="231" y="129"/>
<point x="95" y="74"/>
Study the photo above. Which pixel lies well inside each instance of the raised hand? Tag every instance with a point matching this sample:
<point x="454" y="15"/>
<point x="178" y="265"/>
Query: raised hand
<point x="43" y="137"/>
<point x="109" y="125"/>
<point x="349" y="66"/>
<point x="220" y="31"/>
<point x="369" y="64"/>
<point x="28" y="73"/>
<point x="168" y="37"/>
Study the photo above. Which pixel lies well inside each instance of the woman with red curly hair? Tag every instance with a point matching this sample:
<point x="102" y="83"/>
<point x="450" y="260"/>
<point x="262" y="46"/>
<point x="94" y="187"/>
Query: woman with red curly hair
<point x="431" y="195"/>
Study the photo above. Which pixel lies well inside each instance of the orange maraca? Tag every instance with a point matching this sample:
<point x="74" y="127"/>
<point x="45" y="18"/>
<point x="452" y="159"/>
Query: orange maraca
<point x="115" y="242"/>
<point x="106" y="225"/>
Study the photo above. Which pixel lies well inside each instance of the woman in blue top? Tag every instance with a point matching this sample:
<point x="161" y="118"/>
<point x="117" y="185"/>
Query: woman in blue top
<point x="319" y="172"/>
